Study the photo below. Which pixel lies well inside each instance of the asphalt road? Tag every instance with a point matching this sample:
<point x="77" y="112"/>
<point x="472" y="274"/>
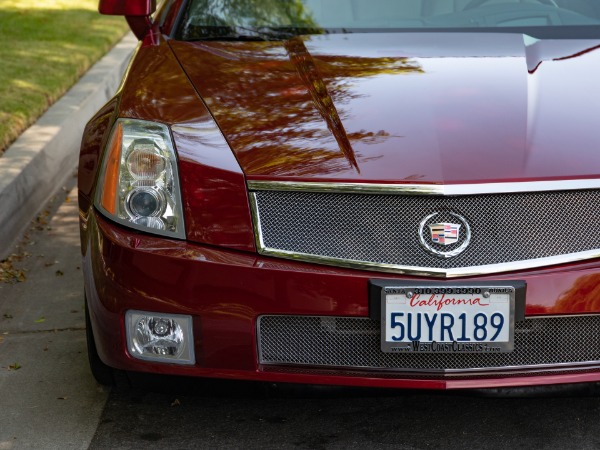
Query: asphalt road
<point x="235" y="415"/>
<point x="48" y="399"/>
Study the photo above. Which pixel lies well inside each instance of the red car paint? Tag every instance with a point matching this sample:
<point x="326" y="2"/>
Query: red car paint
<point x="226" y="290"/>
<point x="423" y="108"/>
<point x="412" y="111"/>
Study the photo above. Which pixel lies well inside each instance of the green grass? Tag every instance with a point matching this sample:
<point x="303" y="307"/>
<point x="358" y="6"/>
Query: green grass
<point x="45" y="46"/>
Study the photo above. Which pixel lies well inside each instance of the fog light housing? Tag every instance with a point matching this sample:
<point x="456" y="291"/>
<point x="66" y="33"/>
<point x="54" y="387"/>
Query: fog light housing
<point x="160" y="337"/>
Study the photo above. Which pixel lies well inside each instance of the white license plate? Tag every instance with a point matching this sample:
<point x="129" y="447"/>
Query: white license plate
<point x="449" y="319"/>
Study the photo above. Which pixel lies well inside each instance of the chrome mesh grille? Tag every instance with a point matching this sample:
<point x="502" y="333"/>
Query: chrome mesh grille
<point x="355" y="343"/>
<point x="384" y="229"/>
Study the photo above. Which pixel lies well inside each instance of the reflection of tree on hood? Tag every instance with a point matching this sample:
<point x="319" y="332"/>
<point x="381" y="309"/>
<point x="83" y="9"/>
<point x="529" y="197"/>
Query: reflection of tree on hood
<point x="276" y="100"/>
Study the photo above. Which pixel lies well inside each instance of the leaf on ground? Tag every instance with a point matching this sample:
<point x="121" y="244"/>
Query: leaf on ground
<point x="15" y="366"/>
<point x="9" y="274"/>
<point x="40" y="320"/>
<point x="8" y="316"/>
<point x="42" y="219"/>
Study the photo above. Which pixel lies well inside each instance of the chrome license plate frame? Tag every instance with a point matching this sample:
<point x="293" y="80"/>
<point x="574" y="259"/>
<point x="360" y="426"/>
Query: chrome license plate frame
<point x="446" y="316"/>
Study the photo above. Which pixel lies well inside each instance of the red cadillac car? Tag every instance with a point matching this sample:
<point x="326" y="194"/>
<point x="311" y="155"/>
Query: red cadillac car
<point x="387" y="193"/>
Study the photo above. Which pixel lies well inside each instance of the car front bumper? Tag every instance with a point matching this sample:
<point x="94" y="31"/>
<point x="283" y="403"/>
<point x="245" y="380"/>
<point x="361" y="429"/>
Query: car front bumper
<point x="227" y="292"/>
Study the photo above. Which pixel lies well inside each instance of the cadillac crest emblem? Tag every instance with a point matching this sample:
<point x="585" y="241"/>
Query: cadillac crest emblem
<point x="444" y="233"/>
<point x="434" y="234"/>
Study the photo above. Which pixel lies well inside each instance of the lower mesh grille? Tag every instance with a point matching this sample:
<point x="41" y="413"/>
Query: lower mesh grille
<point x="355" y="343"/>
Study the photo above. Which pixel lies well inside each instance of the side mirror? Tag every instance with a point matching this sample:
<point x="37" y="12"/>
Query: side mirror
<point x="136" y="12"/>
<point x="127" y="7"/>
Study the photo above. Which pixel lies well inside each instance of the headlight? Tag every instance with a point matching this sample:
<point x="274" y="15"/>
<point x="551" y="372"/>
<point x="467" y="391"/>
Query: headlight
<point x="139" y="184"/>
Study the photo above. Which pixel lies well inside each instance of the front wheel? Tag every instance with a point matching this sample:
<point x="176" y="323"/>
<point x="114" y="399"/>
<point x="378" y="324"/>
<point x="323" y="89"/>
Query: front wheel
<point x="102" y="373"/>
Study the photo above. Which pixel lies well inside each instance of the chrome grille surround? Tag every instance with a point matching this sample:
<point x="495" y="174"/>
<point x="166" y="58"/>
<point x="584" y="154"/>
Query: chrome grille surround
<point x="376" y="227"/>
<point x="551" y="342"/>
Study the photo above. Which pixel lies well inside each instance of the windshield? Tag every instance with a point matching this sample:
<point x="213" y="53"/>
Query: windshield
<point x="277" y="19"/>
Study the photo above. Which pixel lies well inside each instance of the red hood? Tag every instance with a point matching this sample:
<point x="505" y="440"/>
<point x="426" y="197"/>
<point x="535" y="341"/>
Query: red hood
<point x="426" y="108"/>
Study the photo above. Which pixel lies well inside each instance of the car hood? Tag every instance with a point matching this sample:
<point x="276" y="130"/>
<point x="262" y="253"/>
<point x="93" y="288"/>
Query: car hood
<point x="404" y="107"/>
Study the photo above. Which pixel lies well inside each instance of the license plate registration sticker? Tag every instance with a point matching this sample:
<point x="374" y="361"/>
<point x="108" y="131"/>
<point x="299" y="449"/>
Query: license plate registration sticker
<point x="448" y="319"/>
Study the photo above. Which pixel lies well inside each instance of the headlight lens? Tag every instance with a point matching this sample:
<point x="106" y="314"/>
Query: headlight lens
<point x="139" y="185"/>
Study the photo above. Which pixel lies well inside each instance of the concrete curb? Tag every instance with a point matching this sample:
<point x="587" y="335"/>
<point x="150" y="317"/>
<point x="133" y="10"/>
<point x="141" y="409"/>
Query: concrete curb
<point x="45" y="155"/>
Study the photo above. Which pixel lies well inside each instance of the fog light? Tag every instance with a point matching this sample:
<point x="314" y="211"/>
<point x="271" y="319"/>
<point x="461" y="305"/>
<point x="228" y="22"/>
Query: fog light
<point x="160" y="337"/>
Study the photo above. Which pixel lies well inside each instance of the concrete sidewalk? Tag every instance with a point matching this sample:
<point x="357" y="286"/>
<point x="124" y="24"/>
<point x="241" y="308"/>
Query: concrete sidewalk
<point x="46" y="154"/>
<point x="49" y="399"/>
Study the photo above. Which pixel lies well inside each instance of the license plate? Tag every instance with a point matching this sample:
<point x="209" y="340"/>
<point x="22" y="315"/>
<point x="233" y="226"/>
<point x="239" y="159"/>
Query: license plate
<point x="449" y="319"/>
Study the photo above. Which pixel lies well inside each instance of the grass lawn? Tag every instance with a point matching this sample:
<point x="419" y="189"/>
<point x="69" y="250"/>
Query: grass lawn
<point x="45" y="46"/>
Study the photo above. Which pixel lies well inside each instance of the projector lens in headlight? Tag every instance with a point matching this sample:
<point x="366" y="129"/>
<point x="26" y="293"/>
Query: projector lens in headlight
<point x="145" y="202"/>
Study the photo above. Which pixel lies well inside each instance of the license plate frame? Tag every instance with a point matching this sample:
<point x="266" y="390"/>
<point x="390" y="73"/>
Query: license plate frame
<point x="511" y="311"/>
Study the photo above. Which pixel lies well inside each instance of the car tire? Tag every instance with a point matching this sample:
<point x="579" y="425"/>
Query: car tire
<point x="103" y="374"/>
